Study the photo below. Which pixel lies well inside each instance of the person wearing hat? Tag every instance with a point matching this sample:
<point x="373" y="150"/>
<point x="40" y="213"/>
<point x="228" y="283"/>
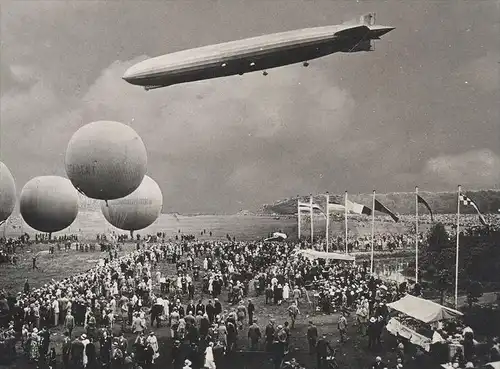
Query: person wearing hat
<point x="153" y="342"/>
<point x="378" y="364"/>
<point x="323" y="348"/>
<point x="372" y="333"/>
<point x="254" y="335"/>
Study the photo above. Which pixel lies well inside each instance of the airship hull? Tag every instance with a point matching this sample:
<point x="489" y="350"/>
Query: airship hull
<point x="225" y="66"/>
<point x="254" y="54"/>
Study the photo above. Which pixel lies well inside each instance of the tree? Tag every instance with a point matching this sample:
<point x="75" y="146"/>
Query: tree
<point x="438" y="259"/>
<point x="474" y="292"/>
<point x="438" y="239"/>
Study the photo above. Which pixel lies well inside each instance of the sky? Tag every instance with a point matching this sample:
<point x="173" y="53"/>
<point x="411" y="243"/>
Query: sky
<point x="422" y="109"/>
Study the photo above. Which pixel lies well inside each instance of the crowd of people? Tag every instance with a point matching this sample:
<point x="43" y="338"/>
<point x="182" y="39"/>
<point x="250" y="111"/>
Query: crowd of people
<point x="131" y="295"/>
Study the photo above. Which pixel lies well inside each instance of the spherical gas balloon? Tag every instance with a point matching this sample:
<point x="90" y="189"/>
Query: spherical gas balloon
<point x="49" y="204"/>
<point x="106" y="160"/>
<point x="7" y="192"/>
<point x="136" y="211"/>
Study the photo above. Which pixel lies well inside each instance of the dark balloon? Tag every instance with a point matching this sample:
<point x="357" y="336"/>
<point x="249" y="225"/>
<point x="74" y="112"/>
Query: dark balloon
<point x="49" y="204"/>
<point x="106" y="160"/>
<point x="7" y="192"/>
<point x="136" y="211"/>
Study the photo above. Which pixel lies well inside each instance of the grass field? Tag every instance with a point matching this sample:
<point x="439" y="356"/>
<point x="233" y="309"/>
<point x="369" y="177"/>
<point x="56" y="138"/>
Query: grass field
<point x="89" y="223"/>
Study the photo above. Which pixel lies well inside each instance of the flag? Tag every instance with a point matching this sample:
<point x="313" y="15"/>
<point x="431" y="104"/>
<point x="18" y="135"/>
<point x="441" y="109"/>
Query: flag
<point x="336" y="208"/>
<point x="423" y="202"/>
<point x="466" y="201"/>
<point x="383" y="209"/>
<point x="305" y="206"/>
<point x="357" y="208"/>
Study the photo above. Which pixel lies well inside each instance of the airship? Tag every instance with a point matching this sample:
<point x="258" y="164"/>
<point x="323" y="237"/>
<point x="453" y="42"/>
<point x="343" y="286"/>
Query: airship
<point x="256" y="54"/>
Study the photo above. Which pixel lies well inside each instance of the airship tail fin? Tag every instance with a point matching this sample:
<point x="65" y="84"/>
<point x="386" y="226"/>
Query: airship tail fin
<point x="367" y="19"/>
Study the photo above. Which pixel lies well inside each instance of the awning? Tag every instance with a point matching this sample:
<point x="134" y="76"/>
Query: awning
<point x="312" y="254"/>
<point x="495" y="365"/>
<point x="424" y="310"/>
<point x="277" y="236"/>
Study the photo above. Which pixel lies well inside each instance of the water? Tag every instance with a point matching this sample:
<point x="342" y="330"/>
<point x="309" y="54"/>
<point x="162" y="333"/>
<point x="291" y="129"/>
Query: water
<point x="392" y="268"/>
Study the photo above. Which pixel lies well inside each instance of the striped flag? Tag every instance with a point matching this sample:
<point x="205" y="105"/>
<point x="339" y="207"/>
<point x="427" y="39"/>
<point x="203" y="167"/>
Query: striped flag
<point x="468" y="202"/>
<point x="336" y="208"/>
<point x="305" y="206"/>
<point x="357" y="208"/>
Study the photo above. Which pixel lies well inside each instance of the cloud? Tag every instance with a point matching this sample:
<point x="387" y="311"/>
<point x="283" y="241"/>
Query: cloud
<point x="472" y="169"/>
<point x="355" y="122"/>
<point x="483" y="72"/>
<point x="235" y="139"/>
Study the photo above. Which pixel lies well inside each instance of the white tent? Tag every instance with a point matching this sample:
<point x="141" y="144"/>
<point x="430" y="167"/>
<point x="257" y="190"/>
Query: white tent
<point x="277" y="236"/>
<point x="424" y="310"/>
<point x="495" y="365"/>
<point x="312" y="254"/>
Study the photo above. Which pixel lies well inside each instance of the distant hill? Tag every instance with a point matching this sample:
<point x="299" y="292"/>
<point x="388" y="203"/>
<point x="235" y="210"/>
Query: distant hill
<point x="488" y="201"/>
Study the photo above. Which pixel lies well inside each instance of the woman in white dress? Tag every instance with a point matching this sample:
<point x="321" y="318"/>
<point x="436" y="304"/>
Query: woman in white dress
<point x="153" y="341"/>
<point x="286" y="292"/>
<point x="209" y="357"/>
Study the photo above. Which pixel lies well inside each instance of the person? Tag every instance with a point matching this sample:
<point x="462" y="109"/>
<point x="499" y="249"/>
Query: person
<point x="378" y="364"/>
<point x="254" y="335"/>
<point x="495" y="350"/>
<point x="250" y="310"/>
<point x="293" y="311"/>
<point x="342" y="327"/>
<point x="323" y="348"/>
<point x="312" y="337"/>
<point x="458" y="357"/>
<point x="209" y="357"/>
<point x="69" y="323"/>
<point x="469" y="349"/>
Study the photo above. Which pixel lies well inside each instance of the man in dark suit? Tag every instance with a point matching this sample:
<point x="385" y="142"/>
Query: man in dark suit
<point x="312" y="337"/>
<point x="254" y="335"/>
<point x="250" y="310"/>
<point x="323" y="348"/>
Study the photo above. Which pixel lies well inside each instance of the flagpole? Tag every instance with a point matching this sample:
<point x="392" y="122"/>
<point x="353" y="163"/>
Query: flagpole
<point x="458" y="243"/>
<point x="345" y="221"/>
<point x="327" y="221"/>
<point x="416" y="234"/>
<point x="312" y="219"/>
<point x="298" y="218"/>
<point x="373" y="232"/>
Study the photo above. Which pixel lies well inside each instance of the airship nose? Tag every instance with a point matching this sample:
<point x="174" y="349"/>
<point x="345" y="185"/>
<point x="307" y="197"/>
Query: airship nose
<point x="130" y="74"/>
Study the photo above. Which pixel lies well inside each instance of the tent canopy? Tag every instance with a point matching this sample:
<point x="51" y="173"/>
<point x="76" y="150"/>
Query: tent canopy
<point x="424" y="310"/>
<point x="312" y="254"/>
<point x="495" y="365"/>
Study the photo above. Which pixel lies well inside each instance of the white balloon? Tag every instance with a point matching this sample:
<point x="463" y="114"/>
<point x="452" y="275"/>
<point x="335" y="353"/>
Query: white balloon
<point x="136" y="211"/>
<point x="106" y="160"/>
<point x="7" y="192"/>
<point x="49" y="203"/>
